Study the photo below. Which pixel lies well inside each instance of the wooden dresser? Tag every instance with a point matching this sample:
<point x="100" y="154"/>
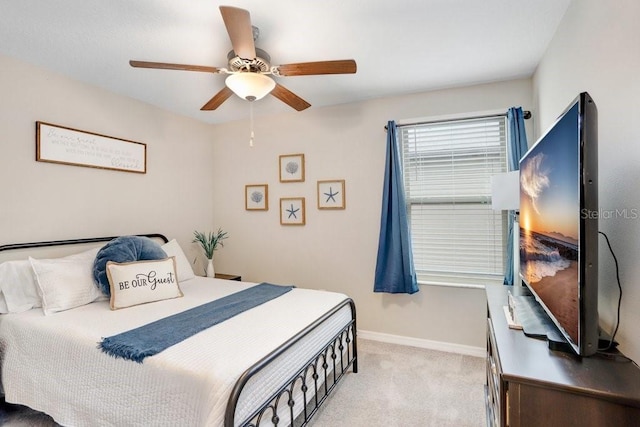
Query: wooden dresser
<point x="530" y="385"/>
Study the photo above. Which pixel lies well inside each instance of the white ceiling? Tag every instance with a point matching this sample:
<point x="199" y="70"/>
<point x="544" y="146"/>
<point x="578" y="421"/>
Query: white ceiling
<point x="400" y="46"/>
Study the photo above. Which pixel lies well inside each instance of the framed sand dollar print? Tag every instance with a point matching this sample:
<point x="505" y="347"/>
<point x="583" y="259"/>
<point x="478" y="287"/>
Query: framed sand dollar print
<point x="256" y="197"/>
<point x="291" y="168"/>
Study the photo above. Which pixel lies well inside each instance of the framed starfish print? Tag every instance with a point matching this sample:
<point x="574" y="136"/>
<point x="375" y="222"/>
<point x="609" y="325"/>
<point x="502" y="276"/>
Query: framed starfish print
<point x="331" y="194"/>
<point x="292" y="211"/>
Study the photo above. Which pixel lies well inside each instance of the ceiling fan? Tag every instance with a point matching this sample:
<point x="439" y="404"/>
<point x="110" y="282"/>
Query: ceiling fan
<point x="249" y="66"/>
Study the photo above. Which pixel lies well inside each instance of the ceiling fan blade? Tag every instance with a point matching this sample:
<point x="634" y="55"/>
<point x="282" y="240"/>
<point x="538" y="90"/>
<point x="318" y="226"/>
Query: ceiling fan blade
<point x="217" y="99"/>
<point x="167" y="66"/>
<point x="289" y="98"/>
<point x="238" y="23"/>
<point x="344" y="66"/>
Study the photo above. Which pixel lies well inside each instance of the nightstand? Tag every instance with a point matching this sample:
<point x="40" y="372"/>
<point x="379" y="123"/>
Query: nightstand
<point x="228" y="276"/>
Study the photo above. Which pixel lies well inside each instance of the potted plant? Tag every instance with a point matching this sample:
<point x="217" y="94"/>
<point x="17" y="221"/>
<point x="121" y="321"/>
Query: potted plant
<point x="209" y="243"/>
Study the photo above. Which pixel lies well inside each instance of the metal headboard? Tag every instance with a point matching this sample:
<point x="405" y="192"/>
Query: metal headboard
<point x="14" y="246"/>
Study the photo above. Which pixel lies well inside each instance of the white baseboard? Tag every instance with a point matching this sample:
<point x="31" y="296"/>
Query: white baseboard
<point x="422" y="343"/>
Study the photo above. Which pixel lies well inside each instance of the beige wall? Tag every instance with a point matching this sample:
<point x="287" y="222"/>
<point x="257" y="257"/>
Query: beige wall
<point x="43" y="201"/>
<point x="336" y="250"/>
<point x="196" y="178"/>
<point x="596" y="49"/>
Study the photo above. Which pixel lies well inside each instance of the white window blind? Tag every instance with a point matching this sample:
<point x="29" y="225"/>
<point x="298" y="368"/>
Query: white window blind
<point x="456" y="236"/>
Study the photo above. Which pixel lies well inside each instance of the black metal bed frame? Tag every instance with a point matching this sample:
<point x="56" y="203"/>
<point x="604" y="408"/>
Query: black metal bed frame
<point x="323" y="370"/>
<point x="15" y="246"/>
<point x="316" y="379"/>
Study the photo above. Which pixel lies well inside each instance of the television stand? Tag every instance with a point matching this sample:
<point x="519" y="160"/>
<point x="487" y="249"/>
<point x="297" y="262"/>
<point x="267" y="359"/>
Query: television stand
<point x="529" y="385"/>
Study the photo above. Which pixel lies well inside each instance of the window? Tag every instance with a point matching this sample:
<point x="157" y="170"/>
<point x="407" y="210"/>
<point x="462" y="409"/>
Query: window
<point x="447" y="166"/>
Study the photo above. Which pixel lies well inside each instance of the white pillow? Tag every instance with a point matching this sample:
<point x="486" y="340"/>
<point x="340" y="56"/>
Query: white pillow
<point x="18" y="285"/>
<point x="139" y="282"/>
<point x="88" y="255"/>
<point x="65" y="283"/>
<point x="3" y="304"/>
<point x="183" y="267"/>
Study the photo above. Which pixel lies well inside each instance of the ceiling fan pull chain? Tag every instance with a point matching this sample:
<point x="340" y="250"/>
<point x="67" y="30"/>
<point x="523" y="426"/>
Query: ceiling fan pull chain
<point x="251" y="124"/>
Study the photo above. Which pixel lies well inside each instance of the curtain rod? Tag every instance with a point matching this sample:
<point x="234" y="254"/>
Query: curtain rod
<point x="526" y="114"/>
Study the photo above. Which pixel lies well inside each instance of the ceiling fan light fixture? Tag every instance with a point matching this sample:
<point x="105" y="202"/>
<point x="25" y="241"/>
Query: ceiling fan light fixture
<point x="250" y="86"/>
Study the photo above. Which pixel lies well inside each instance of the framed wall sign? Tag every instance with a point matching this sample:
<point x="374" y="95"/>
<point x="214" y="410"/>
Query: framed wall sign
<point x="331" y="194"/>
<point x="292" y="211"/>
<point x="67" y="146"/>
<point x="256" y="197"/>
<point x="292" y="168"/>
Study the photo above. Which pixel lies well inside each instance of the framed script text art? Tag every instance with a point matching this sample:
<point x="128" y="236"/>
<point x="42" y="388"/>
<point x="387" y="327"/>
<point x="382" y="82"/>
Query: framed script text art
<point x="67" y="146"/>
<point x="292" y="211"/>
<point x="256" y="197"/>
<point x="331" y="194"/>
<point x="292" y="168"/>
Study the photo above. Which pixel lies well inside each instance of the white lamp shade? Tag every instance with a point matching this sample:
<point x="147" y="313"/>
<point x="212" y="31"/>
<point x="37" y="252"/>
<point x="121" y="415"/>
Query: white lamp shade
<point x="250" y="86"/>
<point x="505" y="191"/>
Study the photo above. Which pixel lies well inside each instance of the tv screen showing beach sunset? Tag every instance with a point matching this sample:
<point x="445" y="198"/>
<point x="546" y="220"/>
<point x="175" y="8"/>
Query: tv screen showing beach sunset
<point x="550" y="221"/>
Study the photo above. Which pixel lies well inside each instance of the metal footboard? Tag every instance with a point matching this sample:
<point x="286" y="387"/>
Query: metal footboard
<point x="314" y="381"/>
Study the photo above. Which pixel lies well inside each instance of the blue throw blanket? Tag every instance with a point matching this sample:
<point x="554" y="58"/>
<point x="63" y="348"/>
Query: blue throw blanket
<point x="154" y="337"/>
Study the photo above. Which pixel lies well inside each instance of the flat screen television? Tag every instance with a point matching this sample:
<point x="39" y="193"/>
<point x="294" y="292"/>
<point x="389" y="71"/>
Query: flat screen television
<point x="559" y="224"/>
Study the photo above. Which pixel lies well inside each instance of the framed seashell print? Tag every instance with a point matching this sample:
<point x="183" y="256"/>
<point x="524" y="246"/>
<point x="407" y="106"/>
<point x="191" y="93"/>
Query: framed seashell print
<point x="256" y="197"/>
<point x="292" y="168"/>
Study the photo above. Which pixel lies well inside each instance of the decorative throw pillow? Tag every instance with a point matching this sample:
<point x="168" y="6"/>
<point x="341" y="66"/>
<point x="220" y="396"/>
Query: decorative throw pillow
<point x="183" y="268"/>
<point x="140" y="282"/>
<point x="64" y="283"/>
<point x="123" y="249"/>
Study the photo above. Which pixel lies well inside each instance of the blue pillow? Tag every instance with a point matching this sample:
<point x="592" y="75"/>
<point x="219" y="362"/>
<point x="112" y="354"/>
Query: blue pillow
<point x="123" y="249"/>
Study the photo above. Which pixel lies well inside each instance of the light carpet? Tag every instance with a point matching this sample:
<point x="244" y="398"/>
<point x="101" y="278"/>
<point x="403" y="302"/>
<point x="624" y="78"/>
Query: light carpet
<point x="407" y="386"/>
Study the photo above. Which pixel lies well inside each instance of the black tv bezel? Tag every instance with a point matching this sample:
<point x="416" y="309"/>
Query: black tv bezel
<point x="588" y="321"/>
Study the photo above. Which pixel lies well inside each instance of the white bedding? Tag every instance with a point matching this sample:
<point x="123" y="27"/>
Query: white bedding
<point x="52" y="364"/>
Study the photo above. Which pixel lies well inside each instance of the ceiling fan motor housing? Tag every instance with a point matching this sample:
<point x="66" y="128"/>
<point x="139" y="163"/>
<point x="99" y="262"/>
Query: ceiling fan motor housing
<point x="260" y="63"/>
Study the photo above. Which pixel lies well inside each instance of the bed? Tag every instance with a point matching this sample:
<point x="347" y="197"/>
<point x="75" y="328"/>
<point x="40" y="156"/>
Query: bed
<point x="274" y="364"/>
